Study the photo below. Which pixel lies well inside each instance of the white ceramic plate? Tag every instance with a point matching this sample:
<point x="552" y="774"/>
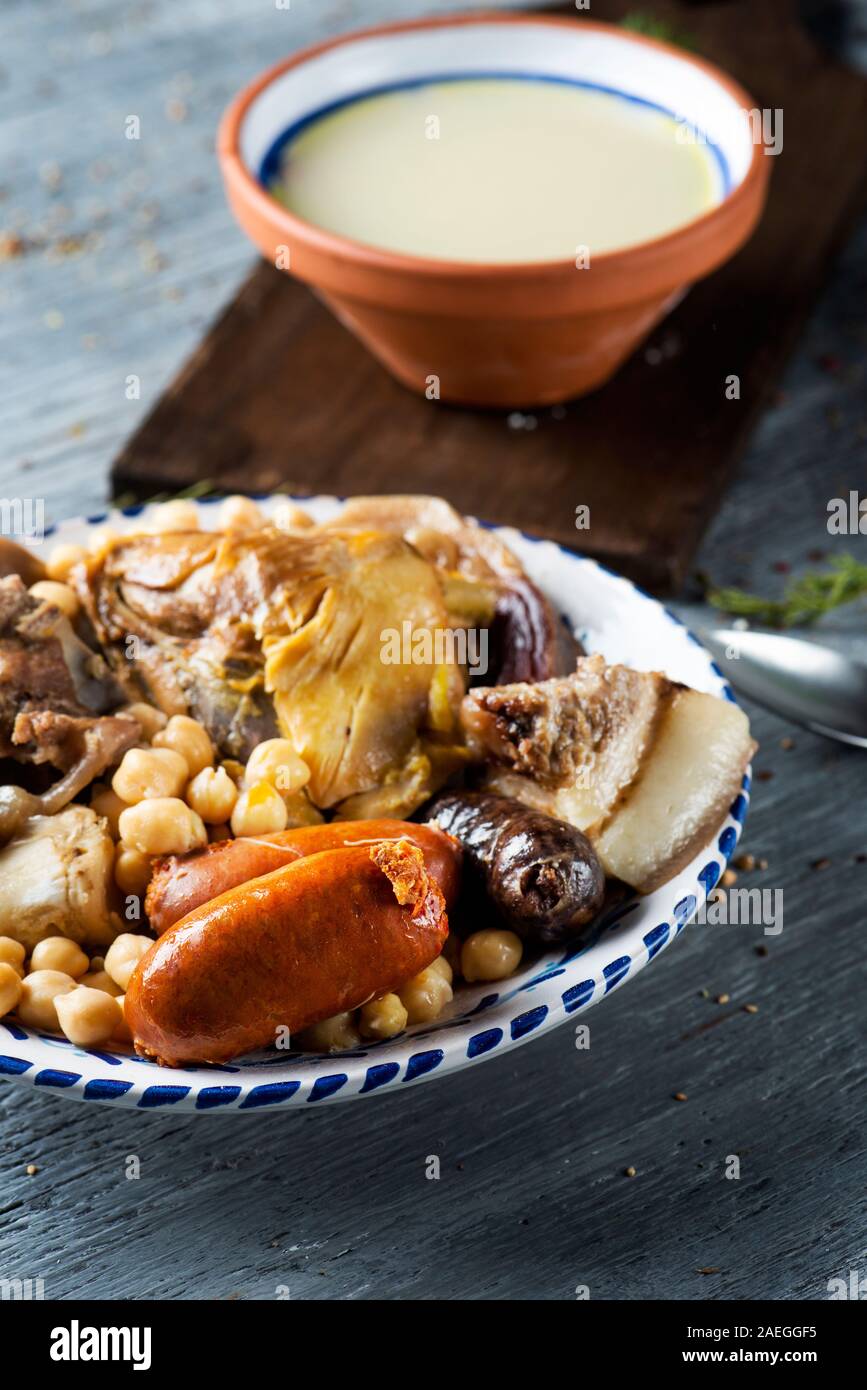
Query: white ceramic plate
<point x="609" y="615"/>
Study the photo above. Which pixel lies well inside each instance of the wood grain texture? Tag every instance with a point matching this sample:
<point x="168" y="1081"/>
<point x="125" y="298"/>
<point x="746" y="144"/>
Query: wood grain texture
<point x="532" y="1201"/>
<point x="280" y="395"/>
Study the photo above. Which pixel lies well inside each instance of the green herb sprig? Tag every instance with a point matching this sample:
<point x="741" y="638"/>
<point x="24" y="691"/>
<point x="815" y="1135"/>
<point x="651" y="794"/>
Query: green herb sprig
<point x="805" y="600"/>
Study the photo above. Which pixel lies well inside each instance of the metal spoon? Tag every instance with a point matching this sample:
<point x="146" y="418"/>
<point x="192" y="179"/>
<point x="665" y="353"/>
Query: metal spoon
<point x="804" y="682"/>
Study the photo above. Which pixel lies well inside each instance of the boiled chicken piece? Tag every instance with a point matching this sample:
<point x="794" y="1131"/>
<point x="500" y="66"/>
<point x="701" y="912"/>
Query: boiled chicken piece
<point x="483" y="580"/>
<point x="56" y="878"/>
<point x="646" y="767"/>
<point x="263" y="632"/>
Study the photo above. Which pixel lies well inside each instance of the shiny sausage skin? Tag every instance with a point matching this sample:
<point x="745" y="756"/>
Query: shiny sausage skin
<point x="541" y="876"/>
<point x="180" y="884"/>
<point x="317" y="937"/>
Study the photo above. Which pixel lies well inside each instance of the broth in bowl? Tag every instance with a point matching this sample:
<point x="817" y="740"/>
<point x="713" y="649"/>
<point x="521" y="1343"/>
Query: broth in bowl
<point x="495" y="170"/>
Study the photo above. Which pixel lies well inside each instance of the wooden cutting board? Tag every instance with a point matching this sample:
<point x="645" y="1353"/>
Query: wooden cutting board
<point x="280" y="396"/>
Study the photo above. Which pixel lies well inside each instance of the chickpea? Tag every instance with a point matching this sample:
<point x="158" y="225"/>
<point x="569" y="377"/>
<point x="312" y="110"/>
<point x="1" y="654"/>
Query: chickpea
<point x="240" y="514"/>
<point x="10" y="988"/>
<point x="12" y="953"/>
<point x="331" y="1035"/>
<point x="187" y="737"/>
<point x="179" y="514"/>
<point x="384" y="1017"/>
<point x="443" y="968"/>
<point x="288" y="516"/>
<point x="149" y="717"/>
<point x="259" y="811"/>
<point x="106" y="802"/>
<point x="57" y="953"/>
<point x="491" y="955"/>
<point x="276" y="761"/>
<point x="100" y="979"/>
<point x="132" y="870"/>
<point x="212" y="794"/>
<point x="63" y="560"/>
<point x="60" y="595"/>
<point x="301" y="811"/>
<point x="145" y="773"/>
<point x="36" y="1006"/>
<point x="88" y="1017"/>
<point x="124" y="954"/>
<point x="425" y="996"/>
<point x="162" y="825"/>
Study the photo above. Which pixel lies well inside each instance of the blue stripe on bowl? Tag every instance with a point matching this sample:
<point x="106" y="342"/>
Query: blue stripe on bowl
<point x="14" y="1066"/>
<point x="709" y="875"/>
<point x="544" y="975"/>
<point x="577" y="995"/>
<point x="19" y="1034"/>
<point x="727" y="841"/>
<point x="684" y="910"/>
<point x="486" y="1003"/>
<point x="108" y="1089"/>
<point x="526" y="1023"/>
<point x="656" y="939"/>
<point x="162" y="1095"/>
<point x="379" y="1075"/>
<point x="616" y="971"/>
<point x="738" y="808"/>
<point x="270" y="1094"/>
<point x="50" y="1077"/>
<point x="211" y="1096"/>
<point x="326" y="1086"/>
<point x="423" y="1062"/>
<point x="484" y="1042"/>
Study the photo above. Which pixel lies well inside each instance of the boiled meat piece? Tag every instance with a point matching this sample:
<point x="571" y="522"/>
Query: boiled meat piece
<point x="646" y="767"/>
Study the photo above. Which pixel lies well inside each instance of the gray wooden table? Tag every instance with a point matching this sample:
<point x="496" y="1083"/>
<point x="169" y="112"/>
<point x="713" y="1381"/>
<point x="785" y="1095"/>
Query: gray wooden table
<point x="117" y="253"/>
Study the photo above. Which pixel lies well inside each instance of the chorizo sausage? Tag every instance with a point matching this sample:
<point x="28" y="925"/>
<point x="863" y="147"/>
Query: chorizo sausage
<point x="541" y="876"/>
<point x="180" y="884"/>
<point x="313" y="939"/>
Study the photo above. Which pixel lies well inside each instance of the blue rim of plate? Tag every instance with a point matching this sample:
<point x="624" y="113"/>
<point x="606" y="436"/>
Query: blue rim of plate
<point x="323" y="1078"/>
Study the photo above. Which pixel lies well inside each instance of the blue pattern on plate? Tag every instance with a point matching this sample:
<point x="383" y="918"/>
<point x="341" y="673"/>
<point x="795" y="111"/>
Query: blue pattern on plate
<point x="423" y="1062"/>
<point x="212" y="1096"/>
<point x="616" y="971"/>
<point x="14" y="1066"/>
<point x="578" y="996"/>
<point x="379" y="1075"/>
<point x="163" y="1095"/>
<point x="272" y="1093"/>
<point x="326" y="1086"/>
<point x="484" y="1042"/>
<point x="528" y="1022"/>
<point x="108" y="1089"/>
<point x="49" y="1077"/>
<point x="656" y="939"/>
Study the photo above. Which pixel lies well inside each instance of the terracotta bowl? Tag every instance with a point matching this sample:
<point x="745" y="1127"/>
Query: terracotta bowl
<point x="496" y="335"/>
